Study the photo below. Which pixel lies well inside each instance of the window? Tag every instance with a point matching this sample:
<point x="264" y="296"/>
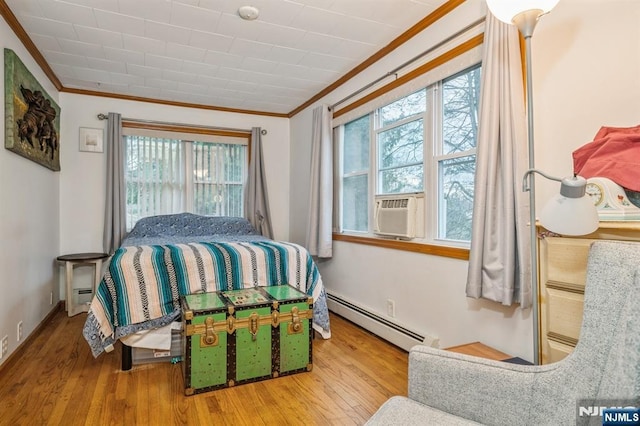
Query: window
<point x="355" y="175"/>
<point x="456" y="154"/>
<point x="165" y="175"/>
<point x="423" y="142"/>
<point x="400" y="149"/>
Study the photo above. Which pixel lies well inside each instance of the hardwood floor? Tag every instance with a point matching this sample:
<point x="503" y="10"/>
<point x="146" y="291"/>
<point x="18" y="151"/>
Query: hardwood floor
<point x="55" y="380"/>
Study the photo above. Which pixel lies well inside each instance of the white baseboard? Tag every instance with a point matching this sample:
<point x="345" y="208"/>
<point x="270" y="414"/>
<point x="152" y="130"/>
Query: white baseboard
<point x="386" y="329"/>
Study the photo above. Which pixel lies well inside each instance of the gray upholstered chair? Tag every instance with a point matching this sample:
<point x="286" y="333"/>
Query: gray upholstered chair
<point x="447" y="388"/>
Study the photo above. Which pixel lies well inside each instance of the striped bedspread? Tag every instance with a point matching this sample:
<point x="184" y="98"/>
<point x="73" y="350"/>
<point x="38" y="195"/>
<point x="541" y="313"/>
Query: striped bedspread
<point x="142" y="286"/>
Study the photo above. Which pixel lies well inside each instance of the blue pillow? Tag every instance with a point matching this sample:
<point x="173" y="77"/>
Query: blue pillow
<point x="190" y="225"/>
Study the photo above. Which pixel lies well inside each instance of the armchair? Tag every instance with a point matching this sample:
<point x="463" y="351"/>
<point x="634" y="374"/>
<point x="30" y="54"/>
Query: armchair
<point x="447" y="388"/>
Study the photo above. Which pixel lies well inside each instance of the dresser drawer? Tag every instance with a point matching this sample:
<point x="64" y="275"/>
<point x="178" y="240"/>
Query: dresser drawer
<point x="556" y="351"/>
<point x="564" y="315"/>
<point x="563" y="273"/>
<point x="567" y="262"/>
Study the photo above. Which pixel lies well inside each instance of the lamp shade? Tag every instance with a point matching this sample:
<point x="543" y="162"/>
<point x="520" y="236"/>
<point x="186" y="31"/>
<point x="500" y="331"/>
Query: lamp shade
<point x="571" y="212"/>
<point x="506" y="10"/>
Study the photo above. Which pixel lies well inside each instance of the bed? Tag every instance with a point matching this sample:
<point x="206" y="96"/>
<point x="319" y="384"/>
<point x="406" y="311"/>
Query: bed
<point x="167" y="256"/>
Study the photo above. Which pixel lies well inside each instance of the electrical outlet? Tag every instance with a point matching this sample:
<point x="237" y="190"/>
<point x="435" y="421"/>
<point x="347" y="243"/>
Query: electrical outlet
<point x="391" y="308"/>
<point x="19" y="331"/>
<point x="5" y="346"/>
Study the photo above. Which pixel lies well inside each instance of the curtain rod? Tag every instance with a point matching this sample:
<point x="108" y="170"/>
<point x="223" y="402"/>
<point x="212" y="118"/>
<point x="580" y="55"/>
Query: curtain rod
<point x="409" y="62"/>
<point x="102" y="116"/>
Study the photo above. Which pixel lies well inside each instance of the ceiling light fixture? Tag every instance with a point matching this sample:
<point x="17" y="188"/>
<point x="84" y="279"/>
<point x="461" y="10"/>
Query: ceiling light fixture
<point x="248" y="13"/>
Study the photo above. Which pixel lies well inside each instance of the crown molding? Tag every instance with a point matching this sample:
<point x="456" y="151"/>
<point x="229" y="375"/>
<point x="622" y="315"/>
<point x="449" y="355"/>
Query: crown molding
<point x="424" y="23"/>
<point x="394" y="44"/>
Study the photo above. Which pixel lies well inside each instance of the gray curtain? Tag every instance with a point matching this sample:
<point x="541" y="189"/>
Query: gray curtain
<point x="319" y="240"/>
<point x="115" y="203"/>
<point x="256" y="201"/>
<point x="499" y="259"/>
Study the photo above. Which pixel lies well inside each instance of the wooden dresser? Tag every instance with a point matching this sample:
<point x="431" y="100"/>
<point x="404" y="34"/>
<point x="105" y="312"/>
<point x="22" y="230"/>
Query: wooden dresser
<point x="562" y="267"/>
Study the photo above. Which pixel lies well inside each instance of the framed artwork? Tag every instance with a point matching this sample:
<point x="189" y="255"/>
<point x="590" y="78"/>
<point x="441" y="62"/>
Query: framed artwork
<point x="32" y="118"/>
<point x="91" y="140"/>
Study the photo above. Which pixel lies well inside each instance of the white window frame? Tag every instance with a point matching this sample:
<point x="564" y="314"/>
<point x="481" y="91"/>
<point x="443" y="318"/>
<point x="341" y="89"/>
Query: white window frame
<point x="187" y="140"/>
<point x="342" y="176"/>
<point x="432" y="157"/>
<point x="379" y="130"/>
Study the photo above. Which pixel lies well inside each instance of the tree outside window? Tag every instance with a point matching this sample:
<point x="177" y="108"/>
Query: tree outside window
<point x="434" y="128"/>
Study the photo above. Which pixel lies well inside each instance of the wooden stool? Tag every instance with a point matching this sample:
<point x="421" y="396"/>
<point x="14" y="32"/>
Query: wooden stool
<point x="75" y="259"/>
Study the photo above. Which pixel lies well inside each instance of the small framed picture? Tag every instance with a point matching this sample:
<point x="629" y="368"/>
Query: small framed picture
<point x="91" y="140"/>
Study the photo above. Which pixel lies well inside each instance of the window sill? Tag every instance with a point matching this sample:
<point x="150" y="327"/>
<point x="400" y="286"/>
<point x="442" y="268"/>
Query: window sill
<point x="434" y="250"/>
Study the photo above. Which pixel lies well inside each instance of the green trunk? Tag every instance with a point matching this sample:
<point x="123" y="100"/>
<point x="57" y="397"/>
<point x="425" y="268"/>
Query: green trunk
<point x="242" y="336"/>
<point x="253" y="354"/>
<point x="209" y="364"/>
<point x="294" y="348"/>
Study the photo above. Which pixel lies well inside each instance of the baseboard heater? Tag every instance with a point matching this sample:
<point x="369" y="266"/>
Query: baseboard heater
<point x="382" y="327"/>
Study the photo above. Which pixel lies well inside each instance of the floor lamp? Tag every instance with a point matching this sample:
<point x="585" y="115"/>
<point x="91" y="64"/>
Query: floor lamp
<point x="561" y="214"/>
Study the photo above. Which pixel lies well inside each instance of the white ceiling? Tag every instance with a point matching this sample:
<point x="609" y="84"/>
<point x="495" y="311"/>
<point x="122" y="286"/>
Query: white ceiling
<point x="202" y="52"/>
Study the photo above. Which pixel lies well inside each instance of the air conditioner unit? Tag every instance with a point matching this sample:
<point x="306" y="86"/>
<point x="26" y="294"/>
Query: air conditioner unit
<point x="400" y="215"/>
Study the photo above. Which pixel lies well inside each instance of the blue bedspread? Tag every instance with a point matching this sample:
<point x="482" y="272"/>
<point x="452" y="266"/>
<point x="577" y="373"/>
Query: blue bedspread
<point x="143" y="283"/>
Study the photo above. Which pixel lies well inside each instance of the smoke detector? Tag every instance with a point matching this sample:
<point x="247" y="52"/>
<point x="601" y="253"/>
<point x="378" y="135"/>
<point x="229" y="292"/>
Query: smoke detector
<point x="248" y="13"/>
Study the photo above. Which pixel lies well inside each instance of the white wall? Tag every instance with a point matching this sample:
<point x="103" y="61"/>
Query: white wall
<point x="586" y="68"/>
<point x="82" y="182"/>
<point x="29" y="235"/>
<point x="586" y="63"/>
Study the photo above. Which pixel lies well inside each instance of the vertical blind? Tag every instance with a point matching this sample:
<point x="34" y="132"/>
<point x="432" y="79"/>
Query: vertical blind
<point x="154" y="177"/>
<point x="168" y="175"/>
<point x="219" y="176"/>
